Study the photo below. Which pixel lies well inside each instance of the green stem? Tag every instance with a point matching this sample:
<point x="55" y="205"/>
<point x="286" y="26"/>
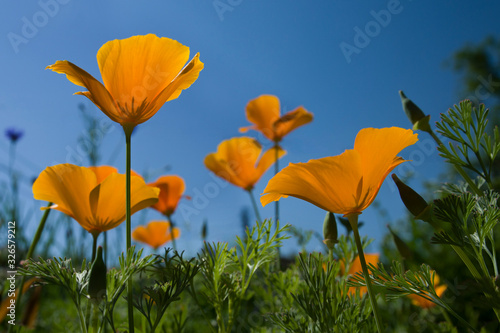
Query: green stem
<point x="128" y="136"/>
<point x="459" y="169"/>
<point x="353" y="220"/>
<point x="171" y="231"/>
<point x="276" y="203"/>
<point x="94" y="246"/>
<point x="34" y="242"/>
<point x="254" y="204"/>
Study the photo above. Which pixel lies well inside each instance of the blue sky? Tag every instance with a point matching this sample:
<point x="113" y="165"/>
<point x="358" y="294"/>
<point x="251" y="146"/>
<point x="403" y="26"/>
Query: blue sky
<point x="291" y="49"/>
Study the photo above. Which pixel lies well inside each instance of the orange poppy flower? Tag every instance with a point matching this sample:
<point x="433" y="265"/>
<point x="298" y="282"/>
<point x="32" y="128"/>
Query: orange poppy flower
<point x="264" y="113"/>
<point x="171" y="189"/>
<point x="156" y="233"/>
<point x="96" y="206"/>
<point x="370" y="258"/>
<point x="139" y="73"/>
<point x="236" y="161"/>
<point x="347" y="183"/>
<point x="424" y="303"/>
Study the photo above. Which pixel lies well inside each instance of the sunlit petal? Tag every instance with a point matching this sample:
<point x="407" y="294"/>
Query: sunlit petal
<point x="291" y="121"/>
<point x="330" y="183"/>
<point x="97" y="93"/>
<point x="102" y="172"/>
<point x="171" y="189"/>
<point x="268" y="159"/>
<point x="263" y="111"/>
<point x="64" y="185"/>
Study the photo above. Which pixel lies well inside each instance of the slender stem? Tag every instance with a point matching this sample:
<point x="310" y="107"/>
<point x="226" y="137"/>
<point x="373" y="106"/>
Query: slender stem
<point x="171" y="231"/>
<point x="353" y="220"/>
<point x="105" y="247"/>
<point x="276" y="170"/>
<point x="34" y="242"/>
<point x="254" y="204"/>
<point x="277" y="202"/>
<point x="128" y="136"/>
<point x="94" y="246"/>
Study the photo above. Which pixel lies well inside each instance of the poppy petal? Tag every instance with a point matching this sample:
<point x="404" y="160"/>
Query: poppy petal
<point x="268" y="159"/>
<point x="97" y="93"/>
<point x="64" y="184"/>
<point x="171" y="189"/>
<point x="291" y="121"/>
<point x="378" y="149"/>
<point x="139" y="67"/>
<point x="331" y="183"/>
<point x="102" y="172"/>
<point x="221" y="168"/>
<point x="263" y="111"/>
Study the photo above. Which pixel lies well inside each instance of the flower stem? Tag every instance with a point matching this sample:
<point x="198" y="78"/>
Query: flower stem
<point x="94" y="246"/>
<point x="254" y="204"/>
<point x="276" y="203"/>
<point x="128" y="136"/>
<point x="34" y="242"/>
<point x="171" y="232"/>
<point x="353" y="220"/>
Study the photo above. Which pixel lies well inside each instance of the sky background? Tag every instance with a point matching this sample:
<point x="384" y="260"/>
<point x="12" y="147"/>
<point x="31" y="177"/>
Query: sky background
<point x="291" y="49"/>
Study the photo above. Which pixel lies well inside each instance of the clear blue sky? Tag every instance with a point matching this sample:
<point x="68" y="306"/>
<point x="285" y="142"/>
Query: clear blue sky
<point x="293" y="49"/>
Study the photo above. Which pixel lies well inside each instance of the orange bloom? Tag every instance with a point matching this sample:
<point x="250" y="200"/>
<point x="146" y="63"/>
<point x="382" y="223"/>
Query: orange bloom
<point x="370" y="258"/>
<point x="264" y="113"/>
<point x="347" y="183"/>
<point x="96" y="202"/>
<point x="156" y="233"/>
<point x="139" y="73"/>
<point x="236" y="161"/>
<point x="424" y="303"/>
<point x="171" y="189"/>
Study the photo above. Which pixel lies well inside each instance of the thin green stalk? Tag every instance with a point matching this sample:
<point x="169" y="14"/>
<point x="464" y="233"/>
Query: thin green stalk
<point x="254" y="204"/>
<point x="171" y="231"/>
<point x="34" y="242"/>
<point x="94" y="246"/>
<point x="128" y="136"/>
<point x="353" y="220"/>
<point x="276" y="203"/>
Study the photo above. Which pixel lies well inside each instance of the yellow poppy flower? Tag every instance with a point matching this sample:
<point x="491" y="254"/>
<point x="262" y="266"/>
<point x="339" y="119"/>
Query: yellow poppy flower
<point x="355" y="267"/>
<point x="424" y="303"/>
<point x="171" y="189"/>
<point x="264" y="113"/>
<point x="156" y="233"/>
<point x="236" y="161"/>
<point x="346" y="183"/>
<point x="139" y="73"/>
<point x="96" y="206"/>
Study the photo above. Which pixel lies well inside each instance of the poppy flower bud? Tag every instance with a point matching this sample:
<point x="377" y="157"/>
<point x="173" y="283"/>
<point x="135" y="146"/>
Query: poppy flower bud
<point x="413" y="201"/>
<point x="97" y="280"/>
<point x="204" y="230"/>
<point x="403" y="249"/>
<point x="417" y="117"/>
<point x="330" y="232"/>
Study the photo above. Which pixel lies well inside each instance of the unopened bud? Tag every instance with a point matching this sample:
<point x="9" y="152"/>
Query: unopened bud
<point x="413" y="201"/>
<point x="330" y="232"/>
<point x="417" y="117"/>
<point x="403" y="249"/>
<point x="204" y="228"/>
<point x="97" y="280"/>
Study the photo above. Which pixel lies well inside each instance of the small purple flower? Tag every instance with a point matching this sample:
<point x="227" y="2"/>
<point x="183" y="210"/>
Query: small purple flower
<point x="14" y="134"/>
